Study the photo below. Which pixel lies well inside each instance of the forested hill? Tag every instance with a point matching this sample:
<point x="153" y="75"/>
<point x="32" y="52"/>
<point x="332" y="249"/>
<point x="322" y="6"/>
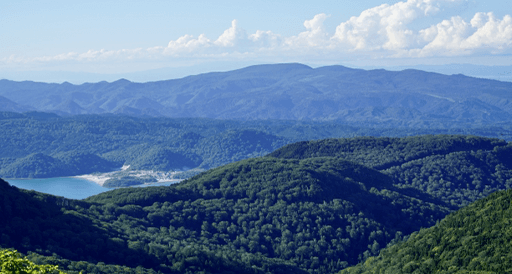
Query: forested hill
<point x="475" y="239"/>
<point x="254" y="216"/>
<point x="42" y="145"/>
<point x="291" y="211"/>
<point x="383" y="152"/>
<point x="455" y="169"/>
<point x="283" y="91"/>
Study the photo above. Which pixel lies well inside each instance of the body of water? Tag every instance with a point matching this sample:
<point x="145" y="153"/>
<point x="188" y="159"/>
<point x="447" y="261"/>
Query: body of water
<point x="69" y="187"/>
<point x="73" y="188"/>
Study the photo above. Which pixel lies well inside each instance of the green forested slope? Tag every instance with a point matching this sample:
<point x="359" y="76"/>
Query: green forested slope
<point x="304" y="212"/>
<point x="32" y="221"/>
<point x="454" y="168"/>
<point x="163" y="144"/>
<point x="43" y="145"/>
<point x="260" y="215"/>
<point x="300" y="214"/>
<point x="39" y="165"/>
<point x="460" y="177"/>
<point x="475" y="239"/>
<point x="384" y="152"/>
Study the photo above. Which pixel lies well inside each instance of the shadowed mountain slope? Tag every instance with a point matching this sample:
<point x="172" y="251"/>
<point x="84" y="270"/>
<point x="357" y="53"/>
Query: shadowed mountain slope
<point x="475" y="239"/>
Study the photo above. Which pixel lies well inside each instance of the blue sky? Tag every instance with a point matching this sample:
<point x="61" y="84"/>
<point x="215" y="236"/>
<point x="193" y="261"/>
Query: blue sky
<point x="123" y="37"/>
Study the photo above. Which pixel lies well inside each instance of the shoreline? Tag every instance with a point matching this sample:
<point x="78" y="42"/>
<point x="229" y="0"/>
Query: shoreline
<point x="100" y="180"/>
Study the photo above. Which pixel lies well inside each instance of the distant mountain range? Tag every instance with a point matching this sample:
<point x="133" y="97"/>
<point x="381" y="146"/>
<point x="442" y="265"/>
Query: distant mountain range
<point x="495" y="72"/>
<point x="282" y="91"/>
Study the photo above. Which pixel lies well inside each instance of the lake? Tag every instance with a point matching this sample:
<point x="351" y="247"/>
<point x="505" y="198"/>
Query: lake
<point x="73" y="188"/>
<point x="69" y="187"/>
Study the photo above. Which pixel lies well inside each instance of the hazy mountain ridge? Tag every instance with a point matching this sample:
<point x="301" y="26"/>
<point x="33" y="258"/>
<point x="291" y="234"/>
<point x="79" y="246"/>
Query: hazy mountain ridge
<point x="495" y="72"/>
<point x="285" y="91"/>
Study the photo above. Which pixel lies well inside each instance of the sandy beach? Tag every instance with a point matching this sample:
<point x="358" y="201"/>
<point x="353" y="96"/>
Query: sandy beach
<point x="98" y="179"/>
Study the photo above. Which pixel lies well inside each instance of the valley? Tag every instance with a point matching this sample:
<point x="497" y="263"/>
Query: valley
<point x="308" y="207"/>
<point x="292" y="170"/>
<point x="256" y="137"/>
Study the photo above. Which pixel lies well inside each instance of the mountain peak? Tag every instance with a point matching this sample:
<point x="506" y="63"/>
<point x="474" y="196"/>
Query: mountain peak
<point x="293" y="91"/>
<point x="122" y="81"/>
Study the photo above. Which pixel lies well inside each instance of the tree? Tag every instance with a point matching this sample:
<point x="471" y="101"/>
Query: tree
<point x="12" y="262"/>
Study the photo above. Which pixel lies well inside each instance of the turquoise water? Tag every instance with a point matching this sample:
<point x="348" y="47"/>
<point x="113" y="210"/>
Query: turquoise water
<point x="72" y="188"/>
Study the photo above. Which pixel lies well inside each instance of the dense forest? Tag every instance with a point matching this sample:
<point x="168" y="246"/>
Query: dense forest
<point x="455" y="169"/>
<point x="43" y="145"/>
<point x="309" y="207"/>
<point x="475" y="239"/>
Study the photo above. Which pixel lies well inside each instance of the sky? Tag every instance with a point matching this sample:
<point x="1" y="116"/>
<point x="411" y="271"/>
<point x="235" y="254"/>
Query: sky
<point x="81" y="39"/>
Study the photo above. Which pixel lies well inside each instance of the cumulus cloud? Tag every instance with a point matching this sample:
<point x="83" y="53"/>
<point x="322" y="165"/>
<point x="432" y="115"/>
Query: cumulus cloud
<point x="490" y="32"/>
<point x="385" y="26"/>
<point x="315" y="35"/>
<point x="386" y="30"/>
<point x="484" y="32"/>
<point x="232" y="36"/>
<point x="189" y="43"/>
<point x="265" y="39"/>
<point x="445" y="36"/>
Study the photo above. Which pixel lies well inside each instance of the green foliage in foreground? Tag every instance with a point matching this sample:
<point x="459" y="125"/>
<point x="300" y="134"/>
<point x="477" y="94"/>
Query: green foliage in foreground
<point x="12" y="262"/>
<point x="475" y="239"/>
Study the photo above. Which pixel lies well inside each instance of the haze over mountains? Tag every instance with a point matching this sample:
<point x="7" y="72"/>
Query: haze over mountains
<point x="500" y="73"/>
<point x="282" y="91"/>
<point x="315" y="206"/>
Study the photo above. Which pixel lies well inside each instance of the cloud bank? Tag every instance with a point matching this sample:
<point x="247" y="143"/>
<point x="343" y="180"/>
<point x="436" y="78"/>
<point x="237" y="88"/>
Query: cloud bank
<point x="385" y="31"/>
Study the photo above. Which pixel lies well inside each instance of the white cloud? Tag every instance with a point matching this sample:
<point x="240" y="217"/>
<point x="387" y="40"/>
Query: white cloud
<point x="483" y="33"/>
<point x="385" y="26"/>
<point x="266" y="39"/>
<point x="315" y="35"/>
<point x="382" y="31"/>
<point x="234" y="36"/>
<point x="188" y="42"/>
<point x="491" y="32"/>
<point x="445" y="37"/>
